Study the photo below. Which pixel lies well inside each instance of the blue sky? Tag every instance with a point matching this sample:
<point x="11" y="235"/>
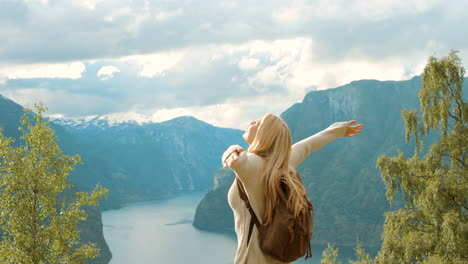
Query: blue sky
<point x="224" y="62"/>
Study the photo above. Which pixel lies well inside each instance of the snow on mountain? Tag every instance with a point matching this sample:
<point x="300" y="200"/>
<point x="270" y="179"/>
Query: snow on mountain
<point x="122" y="120"/>
<point x="102" y="121"/>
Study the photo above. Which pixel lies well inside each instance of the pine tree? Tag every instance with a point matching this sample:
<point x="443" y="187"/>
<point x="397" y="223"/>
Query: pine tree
<point x="38" y="212"/>
<point x="432" y="227"/>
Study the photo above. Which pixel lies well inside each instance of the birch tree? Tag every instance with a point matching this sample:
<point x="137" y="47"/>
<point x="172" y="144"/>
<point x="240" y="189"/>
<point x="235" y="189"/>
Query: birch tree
<point x="38" y="212"/>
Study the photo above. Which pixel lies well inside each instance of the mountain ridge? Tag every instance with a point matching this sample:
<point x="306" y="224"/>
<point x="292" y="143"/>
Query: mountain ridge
<point x="341" y="178"/>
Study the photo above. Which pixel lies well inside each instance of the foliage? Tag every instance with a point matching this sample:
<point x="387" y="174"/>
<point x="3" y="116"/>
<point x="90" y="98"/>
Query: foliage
<point x="38" y="222"/>
<point x="329" y="255"/>
<point x="432" y="227"/>
<point x="362" y="256"/>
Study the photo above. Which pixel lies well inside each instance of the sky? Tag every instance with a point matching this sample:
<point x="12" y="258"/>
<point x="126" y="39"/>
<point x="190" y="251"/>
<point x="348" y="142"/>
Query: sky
<point x="223" y="62"/>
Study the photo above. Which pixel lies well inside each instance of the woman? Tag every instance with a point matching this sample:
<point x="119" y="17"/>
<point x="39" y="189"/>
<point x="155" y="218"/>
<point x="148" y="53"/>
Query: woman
<point x="268" y="160"/>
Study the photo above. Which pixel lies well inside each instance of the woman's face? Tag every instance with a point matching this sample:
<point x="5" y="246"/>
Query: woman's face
<point x="251" y="131"/>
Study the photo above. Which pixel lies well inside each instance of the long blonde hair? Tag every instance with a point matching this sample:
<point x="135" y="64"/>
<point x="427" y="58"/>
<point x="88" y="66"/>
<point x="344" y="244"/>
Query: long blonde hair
<point x="273" y="142"/>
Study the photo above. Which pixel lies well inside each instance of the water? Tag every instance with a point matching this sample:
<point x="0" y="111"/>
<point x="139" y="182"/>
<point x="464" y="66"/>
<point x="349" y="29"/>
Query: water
<point x="162" y="232"/>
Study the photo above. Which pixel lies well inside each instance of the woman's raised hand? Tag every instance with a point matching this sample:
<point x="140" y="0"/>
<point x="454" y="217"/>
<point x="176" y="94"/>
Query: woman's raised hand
<point x="353" y="130"/>
<point x="233" y="157"/>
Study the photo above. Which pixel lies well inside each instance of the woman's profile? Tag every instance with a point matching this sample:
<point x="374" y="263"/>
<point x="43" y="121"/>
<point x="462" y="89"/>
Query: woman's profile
<point x="270" y="159"/>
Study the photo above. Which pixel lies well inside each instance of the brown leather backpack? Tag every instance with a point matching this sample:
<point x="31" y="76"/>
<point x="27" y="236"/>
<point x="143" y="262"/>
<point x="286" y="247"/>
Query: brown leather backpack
<point x="286" y="238"/>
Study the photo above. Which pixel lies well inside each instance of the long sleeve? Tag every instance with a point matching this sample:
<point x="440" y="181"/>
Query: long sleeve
<point x="302" y="149"/>
<point x="247" y="164"/>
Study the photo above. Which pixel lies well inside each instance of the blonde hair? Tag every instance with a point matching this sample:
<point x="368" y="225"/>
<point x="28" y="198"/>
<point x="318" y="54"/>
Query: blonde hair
<point x="273" y="142"/>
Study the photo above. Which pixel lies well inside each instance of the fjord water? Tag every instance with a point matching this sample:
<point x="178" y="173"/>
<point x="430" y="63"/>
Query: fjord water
<point x="162" y="232"/>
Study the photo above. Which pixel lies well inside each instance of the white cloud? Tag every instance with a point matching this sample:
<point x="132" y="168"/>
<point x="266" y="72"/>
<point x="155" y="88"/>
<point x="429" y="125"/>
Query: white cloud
<point x="232" y="114"/>
<point x="137" y="22"/>
<point x="117" y="13"/>
<point x="260" y="76"/>
<point x="287" y="15"/>
<point x="294" y="65"/>
<point x="379" y="10"/>
<point x="229" y="4"/>
<point x="157" y="63"/>
<point x="42" y="2"/>
<point x="107" y="72"/>
<point x="344" y="10"/>
<point x="90" y="4"/>
<point x="71" y="70"/>
<point x="167" y="15"/>
<point x="246" y="64"/>
<point x="221" y="115"/>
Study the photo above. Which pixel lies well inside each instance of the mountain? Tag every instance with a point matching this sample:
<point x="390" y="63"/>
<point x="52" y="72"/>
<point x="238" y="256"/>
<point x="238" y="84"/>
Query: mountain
<point x="136" y="161"/>
<point x="91" y="229"/>
<point x="140" y="161"/>
<point x="341" y="178"/>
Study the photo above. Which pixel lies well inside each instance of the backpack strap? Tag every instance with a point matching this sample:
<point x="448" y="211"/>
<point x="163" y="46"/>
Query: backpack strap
<point x="253" y="219"/>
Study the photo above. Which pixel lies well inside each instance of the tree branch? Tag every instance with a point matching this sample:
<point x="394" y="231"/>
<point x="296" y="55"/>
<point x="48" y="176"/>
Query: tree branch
<point x="447" y="195"/>
<point x="454" y="157"/>
<point x="459" y="160"/>
<point x="459" y="110"/>
<point x="454" y="117"/>
<point x="450" y="90"/>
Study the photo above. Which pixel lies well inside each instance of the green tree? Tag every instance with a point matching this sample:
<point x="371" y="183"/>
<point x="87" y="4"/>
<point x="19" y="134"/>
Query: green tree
<point x="38" y="212"/>
<point x="362" y="256"/>
<point x="329" y="255"/>
<point x="432" y="226"/>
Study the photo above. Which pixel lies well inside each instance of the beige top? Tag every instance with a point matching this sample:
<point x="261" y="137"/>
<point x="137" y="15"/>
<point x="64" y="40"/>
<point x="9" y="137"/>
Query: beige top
<point x="248" y="168"/>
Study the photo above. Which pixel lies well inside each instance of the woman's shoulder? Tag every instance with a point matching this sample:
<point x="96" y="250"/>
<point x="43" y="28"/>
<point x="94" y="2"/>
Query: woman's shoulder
<point x="250" y="160"/>
<point x="249" y="166"/>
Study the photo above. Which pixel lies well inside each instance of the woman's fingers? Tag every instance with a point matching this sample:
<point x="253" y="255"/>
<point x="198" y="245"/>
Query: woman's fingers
<point x="233" y="157"/>
<point x="356" y="128"/>
<point x="230" y="160"/>
<point x="353" y="130"/>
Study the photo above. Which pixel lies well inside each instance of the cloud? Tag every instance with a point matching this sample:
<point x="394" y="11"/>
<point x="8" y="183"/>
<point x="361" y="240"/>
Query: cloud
<point x="90" y="4"/>
<point x="157" y="63"/>
<point x="118" y="13"/>
<point x="247" y="64"/>
<point x="83" y="30"/>
<point x="287" y="15"/>
<point x="350" y="11"/>
<point x="232" y="114"/>
<point x="62" y="101"/>
<point x="166" y="15"/>
<point x="59" y="70"/>
<point x="209" y="82"/>
<point x="107" y="72"/>
<point x="379" y="10"/>
<point x="225" y="62"/>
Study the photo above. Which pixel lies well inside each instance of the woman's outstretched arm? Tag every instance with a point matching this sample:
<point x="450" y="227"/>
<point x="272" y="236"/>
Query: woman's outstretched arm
<point x="244" y="164"/>
<point x="302" y="149"/>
